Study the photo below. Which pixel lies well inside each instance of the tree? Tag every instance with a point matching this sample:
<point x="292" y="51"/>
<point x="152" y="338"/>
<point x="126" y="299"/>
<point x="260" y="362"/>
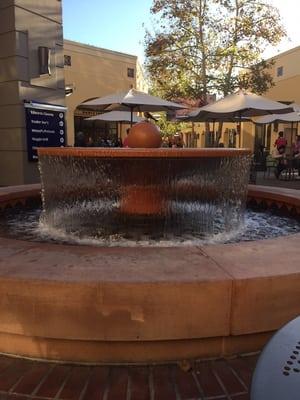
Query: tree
<point x="204" y="47"/>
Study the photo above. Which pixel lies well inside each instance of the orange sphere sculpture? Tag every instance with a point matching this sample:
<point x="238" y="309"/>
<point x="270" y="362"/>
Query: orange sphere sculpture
<point x="144" y="134"/>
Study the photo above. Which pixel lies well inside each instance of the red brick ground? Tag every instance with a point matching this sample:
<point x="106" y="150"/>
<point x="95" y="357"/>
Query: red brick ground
<point x="218" y="379"/>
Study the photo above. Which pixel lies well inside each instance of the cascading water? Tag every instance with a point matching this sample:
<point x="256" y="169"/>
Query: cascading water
<point x="114" y="195"/>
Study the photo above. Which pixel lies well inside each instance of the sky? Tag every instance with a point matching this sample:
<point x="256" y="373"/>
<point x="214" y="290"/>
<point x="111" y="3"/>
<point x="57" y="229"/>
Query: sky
<point x="118" y="24"/>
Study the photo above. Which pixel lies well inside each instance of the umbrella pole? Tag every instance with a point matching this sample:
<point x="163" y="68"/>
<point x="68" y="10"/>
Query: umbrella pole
<point x="240" y="129"/>
<point x="131" y="117"/>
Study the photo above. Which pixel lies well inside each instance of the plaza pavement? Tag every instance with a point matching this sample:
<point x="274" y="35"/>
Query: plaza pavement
<point x="224" y="379"/>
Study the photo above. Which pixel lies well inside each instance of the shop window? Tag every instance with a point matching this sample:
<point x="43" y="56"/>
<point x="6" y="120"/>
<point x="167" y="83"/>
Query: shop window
<point x="279" y="71"/>
<point x="67" y="60"/>
<point x="130" y="72"/>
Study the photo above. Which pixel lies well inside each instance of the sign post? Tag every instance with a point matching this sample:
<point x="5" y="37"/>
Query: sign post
<point x="45" y="126"/>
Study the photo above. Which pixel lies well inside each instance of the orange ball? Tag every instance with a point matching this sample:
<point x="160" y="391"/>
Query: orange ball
<point x="144" y="135"/>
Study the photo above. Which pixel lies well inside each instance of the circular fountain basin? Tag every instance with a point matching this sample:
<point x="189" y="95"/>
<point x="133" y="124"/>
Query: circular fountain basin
<point x="119" y="305"/>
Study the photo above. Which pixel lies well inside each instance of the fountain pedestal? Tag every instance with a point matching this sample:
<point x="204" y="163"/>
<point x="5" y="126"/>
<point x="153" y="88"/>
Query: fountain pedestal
<point x="140" y="200"/>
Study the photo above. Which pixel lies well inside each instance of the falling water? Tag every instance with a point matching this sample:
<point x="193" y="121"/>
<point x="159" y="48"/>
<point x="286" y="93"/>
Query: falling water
<point x="150" y="198"/>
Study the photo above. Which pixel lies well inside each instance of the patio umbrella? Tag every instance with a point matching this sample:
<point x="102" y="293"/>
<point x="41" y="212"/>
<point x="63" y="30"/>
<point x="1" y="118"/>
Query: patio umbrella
<point x="295" y="106"/>
<point x="132" y="100"/>
<point x="116" y="116"/>
<point x="270" y="118"/>
<point x="239" y="104"/>
<point x="280" y="118"/>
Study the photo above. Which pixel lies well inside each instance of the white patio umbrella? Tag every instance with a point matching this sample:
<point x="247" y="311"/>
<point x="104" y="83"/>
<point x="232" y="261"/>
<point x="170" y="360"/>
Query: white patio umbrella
<point x="293" y="117"/>
<point x="295" y="106"/>
<point x="239" y="104"/>
<point x="116" y="116"/>
<point x="132" y="100"/>
<point x="270" y="118"/>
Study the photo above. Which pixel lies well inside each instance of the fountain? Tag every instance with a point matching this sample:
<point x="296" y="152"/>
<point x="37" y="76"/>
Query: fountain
<point x="133" y="192"/>
<point x="136" y="303"/>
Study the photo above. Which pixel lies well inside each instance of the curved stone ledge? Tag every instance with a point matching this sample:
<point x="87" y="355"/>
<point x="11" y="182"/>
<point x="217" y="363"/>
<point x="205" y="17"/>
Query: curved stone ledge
<point x="281" y="197"/>
<point x="88" y="304"/>
<point x="141" y="152"/>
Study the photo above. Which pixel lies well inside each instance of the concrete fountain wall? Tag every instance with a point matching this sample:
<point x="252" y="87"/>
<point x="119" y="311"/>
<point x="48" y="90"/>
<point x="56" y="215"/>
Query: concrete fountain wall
<point x="88" y="304"/>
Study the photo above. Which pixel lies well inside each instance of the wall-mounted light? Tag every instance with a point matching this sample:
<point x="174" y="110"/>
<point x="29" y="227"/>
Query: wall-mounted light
<point x="69" y="89"/>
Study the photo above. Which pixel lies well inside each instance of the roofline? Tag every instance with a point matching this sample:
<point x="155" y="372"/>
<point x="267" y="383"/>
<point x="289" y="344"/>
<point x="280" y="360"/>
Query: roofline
<point x="284" y="53"/>
<point x="91" y="47"/>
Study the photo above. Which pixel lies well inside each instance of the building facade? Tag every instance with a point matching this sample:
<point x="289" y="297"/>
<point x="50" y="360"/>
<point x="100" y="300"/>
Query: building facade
<point x="27" y="28"/>
<point x="92" y="72"/>
<point x="286" y="76"/>
<point x="37" y="65"/>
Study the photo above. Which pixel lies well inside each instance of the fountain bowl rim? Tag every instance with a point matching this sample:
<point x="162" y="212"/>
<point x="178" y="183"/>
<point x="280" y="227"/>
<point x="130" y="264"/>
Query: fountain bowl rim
<point x="161" y="152"/>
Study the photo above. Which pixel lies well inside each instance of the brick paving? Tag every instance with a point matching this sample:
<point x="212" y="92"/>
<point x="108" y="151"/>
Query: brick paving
<point x="223" y="379"/>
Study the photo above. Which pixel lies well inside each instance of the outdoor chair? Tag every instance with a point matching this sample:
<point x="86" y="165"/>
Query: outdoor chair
<point x="290" y="171"/>
<point x="270" y="166"/>
<point x="277" y="373"/>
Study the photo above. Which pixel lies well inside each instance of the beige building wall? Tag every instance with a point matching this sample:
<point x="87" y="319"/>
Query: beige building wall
<point x="96" y="72"/>
<point x="286" y="76"/>
<point x="24" y="26"/>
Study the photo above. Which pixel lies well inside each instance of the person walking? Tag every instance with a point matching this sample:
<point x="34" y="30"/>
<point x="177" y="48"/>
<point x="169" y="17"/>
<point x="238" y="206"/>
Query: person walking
<point x="280" y="141"/>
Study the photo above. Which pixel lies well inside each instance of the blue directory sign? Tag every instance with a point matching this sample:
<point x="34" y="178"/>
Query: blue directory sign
<point x="45" y="126"/>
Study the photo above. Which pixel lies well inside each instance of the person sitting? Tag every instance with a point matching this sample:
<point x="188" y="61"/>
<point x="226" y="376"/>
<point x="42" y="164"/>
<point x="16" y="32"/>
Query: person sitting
<point x="165" y="142"/>
<point x="90" y="142"/>
<point x="178" y="140"/>
<point x="117" y="142"/>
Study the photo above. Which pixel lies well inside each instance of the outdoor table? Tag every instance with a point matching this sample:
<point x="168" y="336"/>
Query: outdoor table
<point x="277" y="373"/>
<point x="290" y="169"/>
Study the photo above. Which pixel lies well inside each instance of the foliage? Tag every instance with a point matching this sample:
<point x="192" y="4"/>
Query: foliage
<point x="168" y="128"/>
<point x="257" y="78"/>
<point x="200" y="47"/>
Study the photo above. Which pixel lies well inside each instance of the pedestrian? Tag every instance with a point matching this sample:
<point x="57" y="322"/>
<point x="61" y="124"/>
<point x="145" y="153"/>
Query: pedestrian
<point x="280" y="141"/>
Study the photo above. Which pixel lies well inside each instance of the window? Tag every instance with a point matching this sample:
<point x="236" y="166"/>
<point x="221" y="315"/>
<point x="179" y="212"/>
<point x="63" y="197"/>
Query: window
<point x="67" y="60"/>
<point x="44" y="54"/>
<point x="130" y="72"/>
<point x="279" y="71"/>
